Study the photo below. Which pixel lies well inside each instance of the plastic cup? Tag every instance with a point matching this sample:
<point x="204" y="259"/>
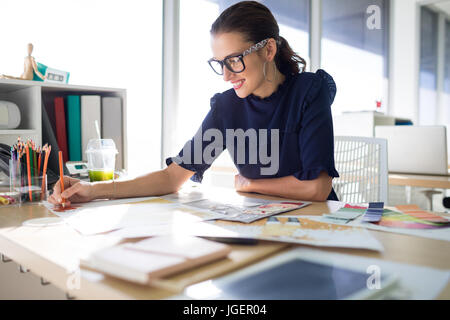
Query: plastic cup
<point x="101" y="156"/>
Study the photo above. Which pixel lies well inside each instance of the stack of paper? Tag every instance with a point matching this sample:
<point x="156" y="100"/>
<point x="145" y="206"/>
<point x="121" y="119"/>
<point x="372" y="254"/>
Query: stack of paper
<point x="156" y="257"/>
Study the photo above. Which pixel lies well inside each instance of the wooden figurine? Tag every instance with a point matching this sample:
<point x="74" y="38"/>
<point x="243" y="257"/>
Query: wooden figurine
<point x="30" y="66"/>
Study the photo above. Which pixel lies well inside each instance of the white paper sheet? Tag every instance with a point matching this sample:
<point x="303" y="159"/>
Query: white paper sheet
<point x="93" y="204"/>
<point x="90" y="221"/>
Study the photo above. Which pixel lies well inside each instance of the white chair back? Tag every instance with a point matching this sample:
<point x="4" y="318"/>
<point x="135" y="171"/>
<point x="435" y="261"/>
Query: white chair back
<point x="362" y="164"/>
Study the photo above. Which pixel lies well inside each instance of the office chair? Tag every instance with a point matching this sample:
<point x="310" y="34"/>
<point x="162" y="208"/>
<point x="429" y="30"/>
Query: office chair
<point x="446" y="202"/>
<point x="362" y="164"/>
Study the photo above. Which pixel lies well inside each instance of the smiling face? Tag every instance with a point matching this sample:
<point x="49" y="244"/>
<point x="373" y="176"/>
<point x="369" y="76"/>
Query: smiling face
<point x="251" y="80"/>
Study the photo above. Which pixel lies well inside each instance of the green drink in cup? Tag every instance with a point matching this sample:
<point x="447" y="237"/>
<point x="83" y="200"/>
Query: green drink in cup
<point x="101" y="156"/>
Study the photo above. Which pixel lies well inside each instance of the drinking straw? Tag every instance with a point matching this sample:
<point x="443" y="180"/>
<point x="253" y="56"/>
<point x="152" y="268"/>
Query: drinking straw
<point x="97" y="128"/>
<point x="61" y="176"/>
<point x="28" y="173"/>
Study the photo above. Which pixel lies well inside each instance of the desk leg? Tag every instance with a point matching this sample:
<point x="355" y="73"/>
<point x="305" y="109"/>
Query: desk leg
<point x="408" y="190"/>
<point x="4" y="258"/>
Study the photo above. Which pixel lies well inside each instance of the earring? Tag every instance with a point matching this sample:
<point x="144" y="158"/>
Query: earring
<point x="264" y="72"/>
<point x="274" y="71"/>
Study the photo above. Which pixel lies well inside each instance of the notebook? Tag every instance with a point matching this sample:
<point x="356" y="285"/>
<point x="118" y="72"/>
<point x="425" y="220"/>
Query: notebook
<point x="90" y="111"/>
<point x="156" y="257"/>
<point x="61" y="132"/>
<point x="112" y="125"/>
<point x="73" y="122"/>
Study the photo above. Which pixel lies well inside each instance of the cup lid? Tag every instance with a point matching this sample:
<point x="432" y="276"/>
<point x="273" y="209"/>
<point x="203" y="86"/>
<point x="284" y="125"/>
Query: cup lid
<point x="95" y="145"/>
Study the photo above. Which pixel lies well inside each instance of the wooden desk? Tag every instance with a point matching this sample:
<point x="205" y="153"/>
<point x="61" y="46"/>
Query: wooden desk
<point x="419" y="180"/>
<point x="54" y="252"/>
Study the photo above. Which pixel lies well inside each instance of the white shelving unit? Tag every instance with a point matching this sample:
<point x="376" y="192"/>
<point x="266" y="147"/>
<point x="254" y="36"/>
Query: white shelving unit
<point x="28" y="96"/>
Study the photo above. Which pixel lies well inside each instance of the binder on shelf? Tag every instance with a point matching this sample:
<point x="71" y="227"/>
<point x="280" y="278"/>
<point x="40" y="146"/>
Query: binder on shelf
<point x="60" y="124"/>
<point x="49" y="137"/>
<point x="112" y="124"/>
<point x="155" y="258"/>
<point x="90" y="111"/>
<point x="73" y="122"/>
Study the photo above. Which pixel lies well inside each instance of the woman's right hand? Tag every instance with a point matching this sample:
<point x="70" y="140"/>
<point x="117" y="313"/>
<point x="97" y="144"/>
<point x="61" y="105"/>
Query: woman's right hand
<point x="75" y="190"/>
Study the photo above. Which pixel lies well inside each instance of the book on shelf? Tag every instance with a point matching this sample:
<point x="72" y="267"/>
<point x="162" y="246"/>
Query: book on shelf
<point x="90" y="112"/>
<point x="73" y="117"/>
<point x="112" y="124"/>
<point x="60" y="124"/>
<point x="155" y="258"/>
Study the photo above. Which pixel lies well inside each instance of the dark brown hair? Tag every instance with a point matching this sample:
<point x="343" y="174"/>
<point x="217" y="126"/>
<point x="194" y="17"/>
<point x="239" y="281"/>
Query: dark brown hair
<point x="256" y="23"/>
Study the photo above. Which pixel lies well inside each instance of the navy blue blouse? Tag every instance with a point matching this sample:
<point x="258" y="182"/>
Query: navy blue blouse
<point x="301" y="111"/>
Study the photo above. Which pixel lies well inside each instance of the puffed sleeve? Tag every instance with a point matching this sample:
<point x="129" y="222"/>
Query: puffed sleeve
<point x="316" y="139"/>
<point x="198" y="153"/>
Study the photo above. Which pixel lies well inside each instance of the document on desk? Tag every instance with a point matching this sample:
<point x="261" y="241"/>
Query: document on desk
<point x="290" y="229"/>
<point x="245" y="209"/>
<point x="303" y="230"/>
<point x="94" y="220"/>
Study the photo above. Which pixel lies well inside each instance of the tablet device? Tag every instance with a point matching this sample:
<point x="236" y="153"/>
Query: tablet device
<point x="292" y="276"/>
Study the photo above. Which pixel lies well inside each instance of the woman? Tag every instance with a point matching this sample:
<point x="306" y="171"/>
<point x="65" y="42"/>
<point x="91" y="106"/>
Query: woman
<point x="269" y="96"/>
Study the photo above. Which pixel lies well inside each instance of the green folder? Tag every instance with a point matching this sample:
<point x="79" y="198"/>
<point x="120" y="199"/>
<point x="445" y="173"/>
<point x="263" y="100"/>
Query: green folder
<point x="73" y="122"/>
<point x="42" y="68"/>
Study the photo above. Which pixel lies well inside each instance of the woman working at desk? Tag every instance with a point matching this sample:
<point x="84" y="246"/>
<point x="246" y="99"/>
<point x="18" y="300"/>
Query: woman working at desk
<point x="271" y="102"/>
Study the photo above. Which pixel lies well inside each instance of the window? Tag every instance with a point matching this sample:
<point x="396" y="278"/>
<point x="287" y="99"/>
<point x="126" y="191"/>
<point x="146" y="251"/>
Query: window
<point x="446" y="103"/>
<point x="101" y="43"/>
<point x="428" y="67"/>
<point x="354" y="50"/>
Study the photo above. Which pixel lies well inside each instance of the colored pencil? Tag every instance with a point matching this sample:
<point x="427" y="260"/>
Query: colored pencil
<point x="36" y="174"/>
<point x="39" y="162"/>
<point x="47" y="149"/>
<point x="61" y="176"/>
<point x="28" y="171"/>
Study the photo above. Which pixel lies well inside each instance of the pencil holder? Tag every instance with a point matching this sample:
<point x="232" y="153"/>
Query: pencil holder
<point x="25" y="185"/>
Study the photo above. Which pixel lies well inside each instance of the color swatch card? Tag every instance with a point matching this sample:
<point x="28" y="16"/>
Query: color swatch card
<point x="417" y="212"/>
<point x="346" y="213"/>
<point x="374" y="212"/>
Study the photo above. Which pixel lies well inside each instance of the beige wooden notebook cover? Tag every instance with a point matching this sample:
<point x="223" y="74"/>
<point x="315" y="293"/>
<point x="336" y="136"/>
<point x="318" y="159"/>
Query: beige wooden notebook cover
<point x="154" y="258"/>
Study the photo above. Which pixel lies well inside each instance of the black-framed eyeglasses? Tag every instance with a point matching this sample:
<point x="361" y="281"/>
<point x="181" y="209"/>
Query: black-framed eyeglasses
<point x="235" y="63"/>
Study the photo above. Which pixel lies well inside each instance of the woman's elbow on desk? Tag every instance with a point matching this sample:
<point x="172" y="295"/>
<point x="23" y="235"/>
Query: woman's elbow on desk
<point x="321" y="187"/>
<point x="288" y="187"/>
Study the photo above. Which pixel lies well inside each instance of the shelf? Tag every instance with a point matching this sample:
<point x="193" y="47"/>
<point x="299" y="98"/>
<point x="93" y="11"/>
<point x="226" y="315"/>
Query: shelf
<point x="18" y="131"/>
<point x="31" y="96"/>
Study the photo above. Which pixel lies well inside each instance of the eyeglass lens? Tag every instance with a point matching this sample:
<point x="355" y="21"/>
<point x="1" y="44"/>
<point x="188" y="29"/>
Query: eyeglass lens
<point x="234" y="64"/>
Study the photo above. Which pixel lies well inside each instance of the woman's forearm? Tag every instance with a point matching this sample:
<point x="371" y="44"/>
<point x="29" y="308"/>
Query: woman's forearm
<point x="290" y="187"/>
<point x="155" y="183"/>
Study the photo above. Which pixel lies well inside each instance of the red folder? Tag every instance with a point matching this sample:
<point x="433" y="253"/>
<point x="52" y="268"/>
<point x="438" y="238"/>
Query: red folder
<point x="60" y="121"/>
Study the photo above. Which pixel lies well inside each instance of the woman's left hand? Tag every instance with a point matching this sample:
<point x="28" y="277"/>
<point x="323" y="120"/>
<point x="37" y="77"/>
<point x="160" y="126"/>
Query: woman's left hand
<point x="242" y="184"/>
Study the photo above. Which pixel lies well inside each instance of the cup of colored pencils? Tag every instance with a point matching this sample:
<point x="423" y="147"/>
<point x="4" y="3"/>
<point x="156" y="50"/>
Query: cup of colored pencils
<point x="28" y="170"/>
